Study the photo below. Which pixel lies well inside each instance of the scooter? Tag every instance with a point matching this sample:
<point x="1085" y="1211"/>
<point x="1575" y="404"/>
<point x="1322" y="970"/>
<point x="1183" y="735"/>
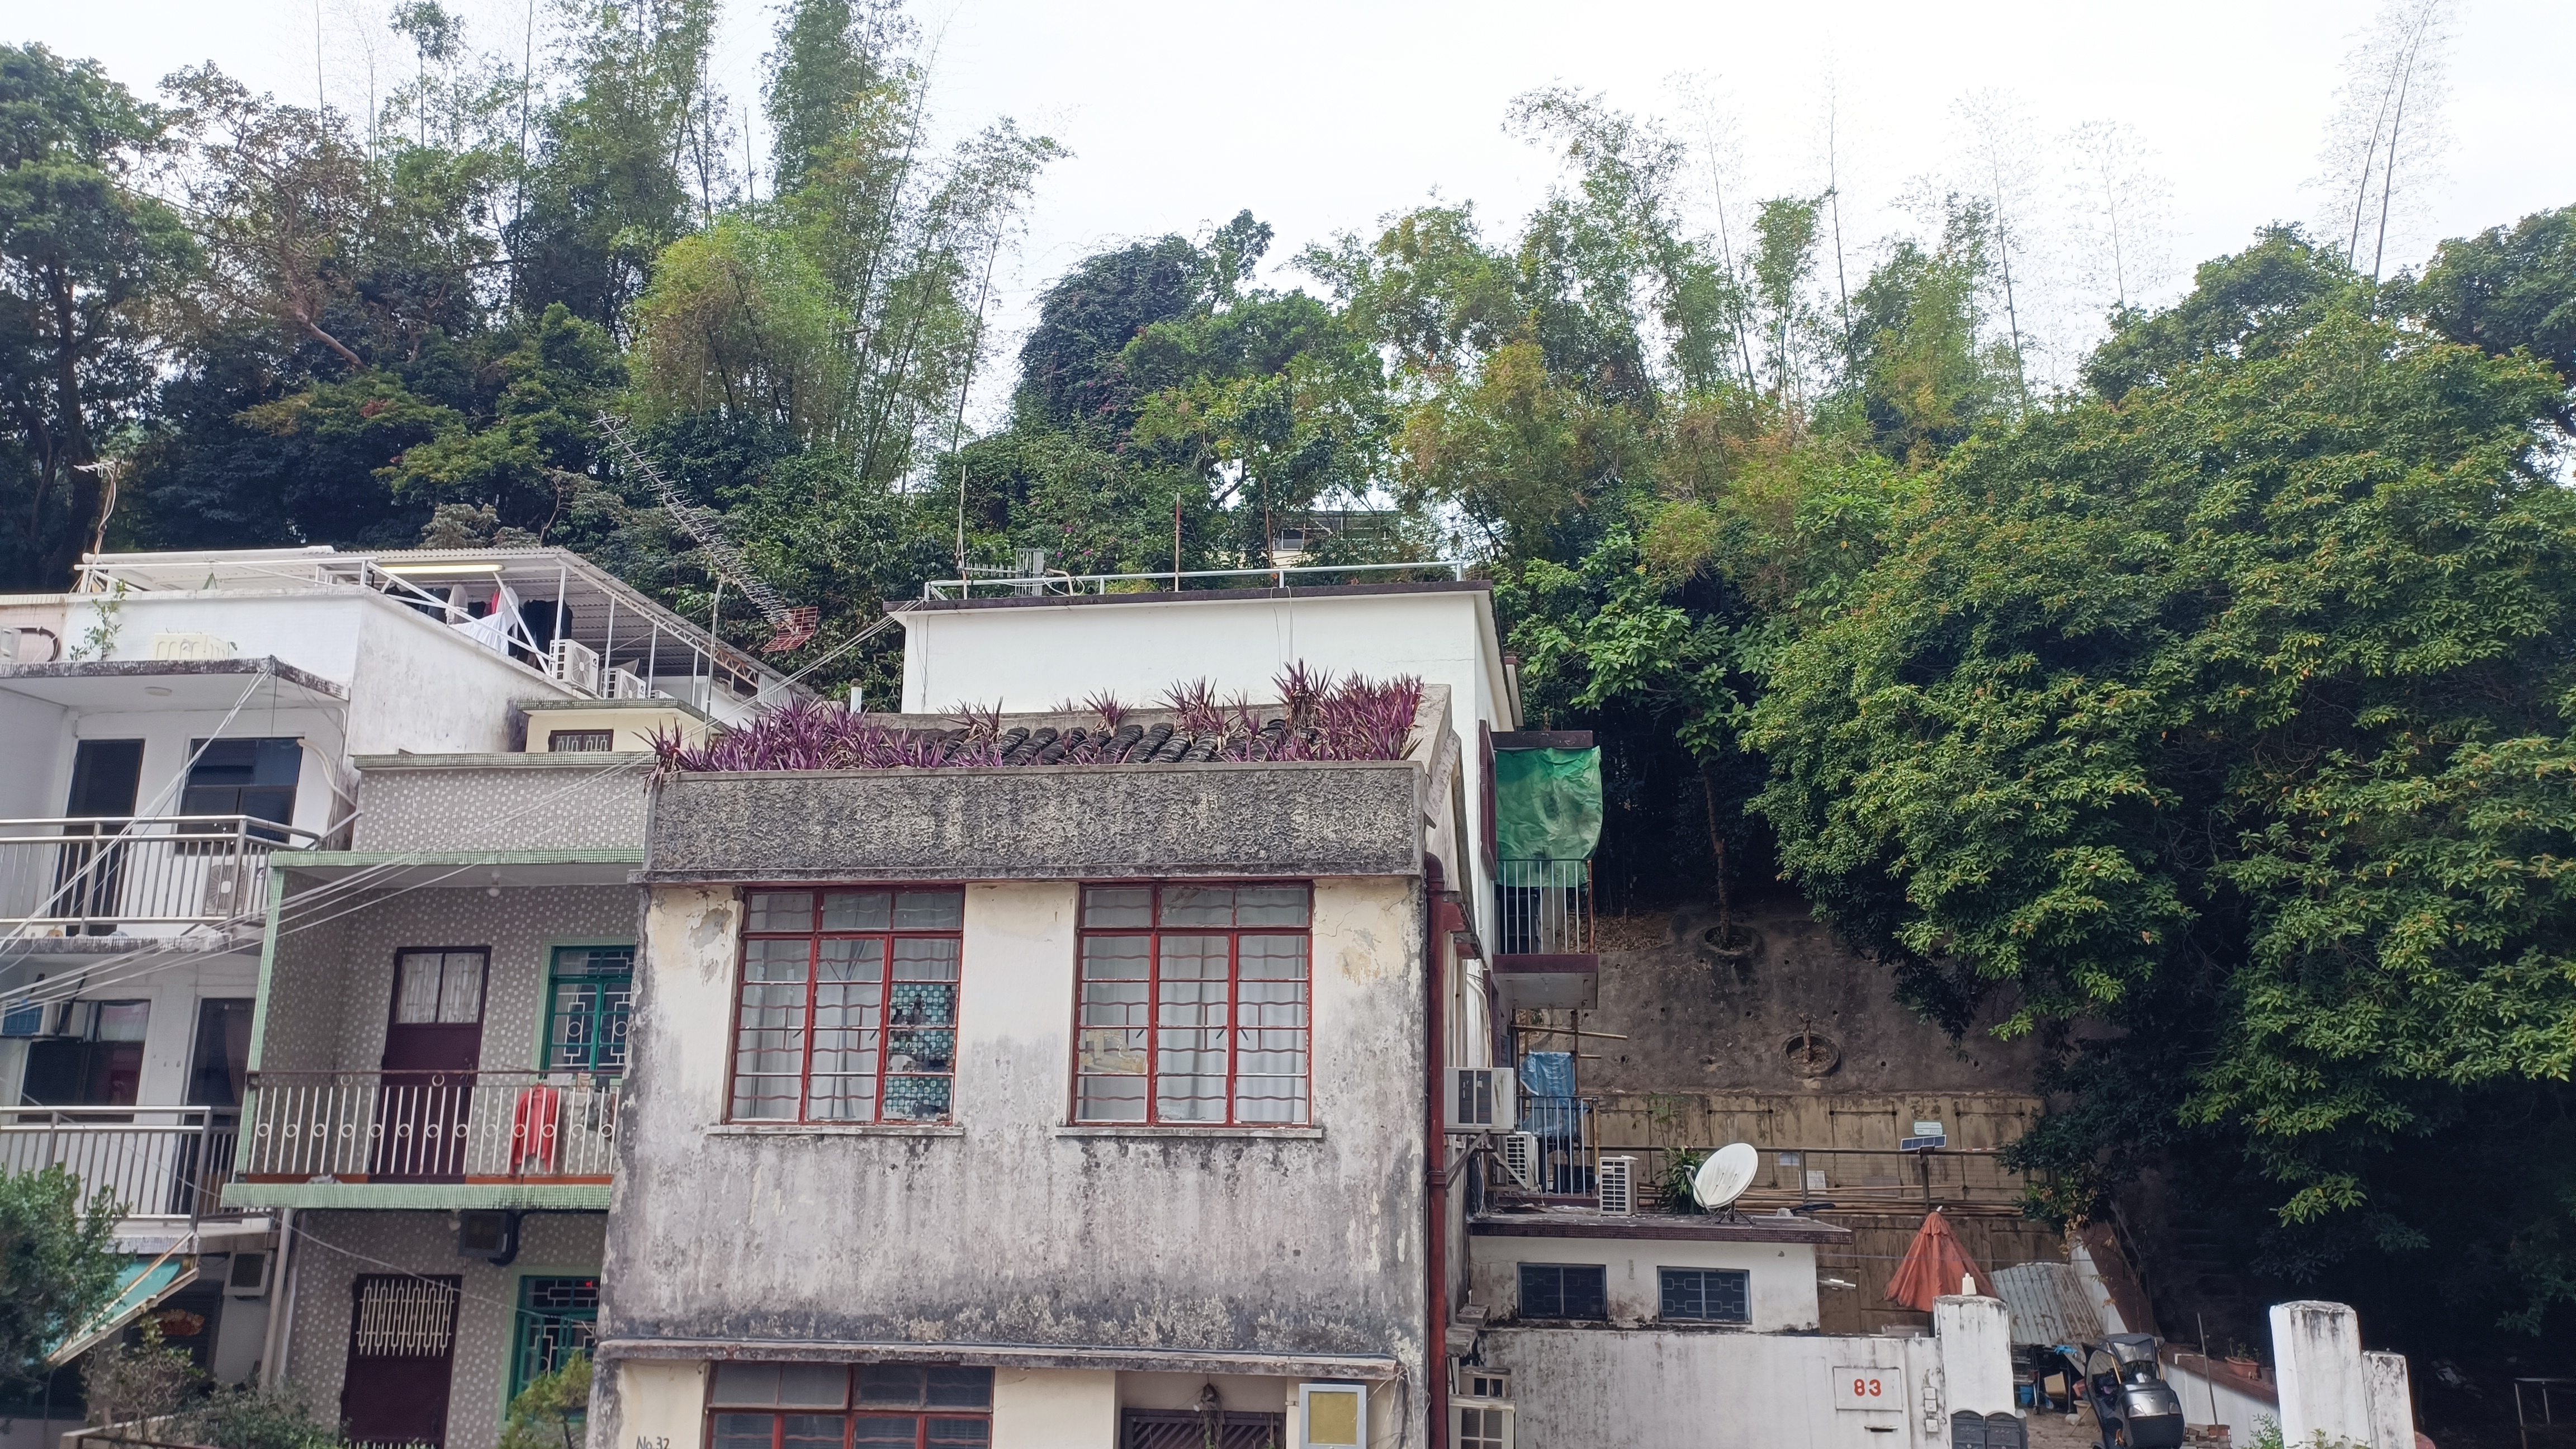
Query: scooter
<point x="2133" y="1405"/>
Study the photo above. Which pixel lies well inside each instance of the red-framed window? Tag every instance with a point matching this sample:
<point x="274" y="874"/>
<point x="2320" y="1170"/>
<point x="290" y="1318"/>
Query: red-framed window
<point x="840" y="1406"/>
<point x="848" y="1005"/>
<point x="1195" y="1004"/>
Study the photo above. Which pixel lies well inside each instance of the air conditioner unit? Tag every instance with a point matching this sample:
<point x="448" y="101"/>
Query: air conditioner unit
<point x="1618" y="1181"/>
<point x="1483" y="1099"/>
<point x="1520" y="1157"/>
<point x="1332" y="1416"/>
<point x="23" y="1019"/>
<point x="574" y="663"/>
<point x="247" y="1276"/>
<point x="625" y="684"/>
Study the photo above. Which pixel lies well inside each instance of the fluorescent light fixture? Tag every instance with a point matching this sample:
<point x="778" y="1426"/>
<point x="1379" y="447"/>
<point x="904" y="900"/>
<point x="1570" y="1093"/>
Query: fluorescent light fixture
<point x="406" y="570"/>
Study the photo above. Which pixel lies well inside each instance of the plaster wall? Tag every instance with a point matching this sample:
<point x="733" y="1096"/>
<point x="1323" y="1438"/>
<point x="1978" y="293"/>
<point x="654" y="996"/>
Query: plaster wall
<point x="1029" y="655"/>
<point x="1010" y="1227"/>
<point x="1054" y="1409"/>
<point x="169" y="739"/>
<point x="2208" y="1399"/>
<point x="173" y="986"/>
<point x="633" y="729"/>
<point x="1783" y="1275"/>
<point x="2324" y="1384"/>
<point x="331" y="988"/>
<point x="32" y="736"/>
<point x="334" y="1249"/>
<point x="1580" y="1388"/>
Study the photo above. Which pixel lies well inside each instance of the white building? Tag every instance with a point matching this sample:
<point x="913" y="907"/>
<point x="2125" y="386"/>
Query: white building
<point x="175" y="728"/>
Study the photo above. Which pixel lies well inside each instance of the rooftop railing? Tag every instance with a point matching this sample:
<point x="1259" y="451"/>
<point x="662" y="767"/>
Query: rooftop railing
<point x="1011" y="581"/>
<point x="153" y="1162"/>
<point x="429" y="1127"/>
<point x="89" y="876"/>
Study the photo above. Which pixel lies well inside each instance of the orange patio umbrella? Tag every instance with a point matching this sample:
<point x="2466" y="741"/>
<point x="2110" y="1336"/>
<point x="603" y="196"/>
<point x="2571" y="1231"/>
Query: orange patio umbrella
<point x="1934" y="1265"/>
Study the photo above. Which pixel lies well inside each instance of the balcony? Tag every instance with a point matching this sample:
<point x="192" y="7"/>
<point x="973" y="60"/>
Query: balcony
<point x="155" y="876"/>
<point x="153" y="1162"/>
<point x="1545" y="953"/>
<point x="502" y="1130"/>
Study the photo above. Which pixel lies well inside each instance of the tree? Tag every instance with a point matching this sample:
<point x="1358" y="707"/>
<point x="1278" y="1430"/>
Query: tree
<point x="2229" y="712"/>
<point x="57" y="1265"/>
<point x="2387" y="129"/>
<point x="84" y="258"/>
<point x="2507" y="288"/>
<point x="550" y="1412"/>
<point x="831" y="55"/>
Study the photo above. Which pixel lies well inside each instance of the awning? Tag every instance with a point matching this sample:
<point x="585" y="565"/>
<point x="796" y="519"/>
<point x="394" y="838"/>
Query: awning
<point x="142" y="1284"/>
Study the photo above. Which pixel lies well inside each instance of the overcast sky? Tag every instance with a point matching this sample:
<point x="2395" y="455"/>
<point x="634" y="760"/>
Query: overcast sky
<point x="1323" y="117"/>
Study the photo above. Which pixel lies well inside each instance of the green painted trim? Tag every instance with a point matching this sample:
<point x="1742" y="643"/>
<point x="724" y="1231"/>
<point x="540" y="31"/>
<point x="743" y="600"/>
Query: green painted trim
<point x="308" y="859"/>
<point x="518" y="1310"/>
<point x="435" y="1196"/>
<point x="546" y="950"/>
<point x="267" y="967"/>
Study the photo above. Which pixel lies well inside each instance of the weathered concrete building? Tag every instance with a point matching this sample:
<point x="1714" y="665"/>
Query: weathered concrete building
<point x="1052" y="1104"/>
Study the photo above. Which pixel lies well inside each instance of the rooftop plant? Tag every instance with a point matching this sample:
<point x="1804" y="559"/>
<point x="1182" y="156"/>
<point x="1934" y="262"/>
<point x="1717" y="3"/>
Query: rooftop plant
<point x="1316" y="717"/>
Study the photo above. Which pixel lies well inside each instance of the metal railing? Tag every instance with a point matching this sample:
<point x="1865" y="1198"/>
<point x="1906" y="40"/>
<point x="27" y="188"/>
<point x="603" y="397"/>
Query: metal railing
<point x="103" y="875"/>
<point x="154" y="1162"/>
<point x="1011" y="581"/>
<point x="1852" y="1179"/>
<point x="1544" y="908"/>
<point x="429" y="1127"/>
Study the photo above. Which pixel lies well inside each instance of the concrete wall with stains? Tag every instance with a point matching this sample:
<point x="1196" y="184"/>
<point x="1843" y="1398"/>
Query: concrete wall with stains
<point x="1585" y="1388"/>
<point x="1781" y="1289"/>
<point x="1013" y="1228"/>
<point x="334" y="1249"/>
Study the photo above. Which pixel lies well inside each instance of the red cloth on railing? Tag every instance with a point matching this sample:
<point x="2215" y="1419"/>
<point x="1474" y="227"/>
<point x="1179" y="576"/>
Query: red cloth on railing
<point x="534" y="1120"/>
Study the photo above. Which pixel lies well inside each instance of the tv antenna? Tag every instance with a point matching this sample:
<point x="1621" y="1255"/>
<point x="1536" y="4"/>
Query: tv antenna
<point x="790" y="625"/>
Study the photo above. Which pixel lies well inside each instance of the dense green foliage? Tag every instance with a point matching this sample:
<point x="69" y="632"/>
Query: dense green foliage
<point x="2207" y="718"/>
<point x="56" y="1266"/>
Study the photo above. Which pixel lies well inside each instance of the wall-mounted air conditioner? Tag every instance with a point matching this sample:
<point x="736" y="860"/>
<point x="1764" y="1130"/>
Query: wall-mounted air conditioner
<point x="1520" y="1157"/>
<point x="1618" y="1180"/>
<point x="626" y="684"/>
<point x="23" y="1019"/>
<point x="1483" y="1099"/>
<point x="1332" y="1416"/>
<point x="247" y="1275"/>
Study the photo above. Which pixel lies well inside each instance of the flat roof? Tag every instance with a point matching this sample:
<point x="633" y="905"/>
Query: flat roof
<point x="1190" y="596"/>
<point x="1711" y="1227"/>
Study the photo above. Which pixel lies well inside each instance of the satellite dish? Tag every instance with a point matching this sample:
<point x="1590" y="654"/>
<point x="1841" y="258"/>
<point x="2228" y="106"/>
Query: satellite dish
<point x="1725" y="1175"/>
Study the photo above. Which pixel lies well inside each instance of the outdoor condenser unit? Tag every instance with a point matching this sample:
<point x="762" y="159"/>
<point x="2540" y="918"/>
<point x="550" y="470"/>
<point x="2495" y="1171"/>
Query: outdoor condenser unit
<point x="1483" y="1099"/>
<point x="1618" y="1181"/>
<point x="1520" y="1157"/>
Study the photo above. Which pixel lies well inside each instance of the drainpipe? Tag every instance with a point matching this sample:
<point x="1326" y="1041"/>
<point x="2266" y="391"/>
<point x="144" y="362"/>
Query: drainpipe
<point x="281" y="1305"/>
<point x="1436" y="1157"/>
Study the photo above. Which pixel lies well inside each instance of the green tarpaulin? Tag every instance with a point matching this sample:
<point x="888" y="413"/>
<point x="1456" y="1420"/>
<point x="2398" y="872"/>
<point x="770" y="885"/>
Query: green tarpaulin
<point x="139" y="1285"/>
<point x="1547" y="814"/>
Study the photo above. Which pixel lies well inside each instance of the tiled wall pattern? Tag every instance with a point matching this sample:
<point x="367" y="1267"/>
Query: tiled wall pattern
<point x="333" y="1249"/>
<point x="331" y="987"/>
<point x="583" y="806"/>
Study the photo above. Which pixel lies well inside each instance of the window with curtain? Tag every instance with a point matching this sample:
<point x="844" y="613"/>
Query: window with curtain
<point x="1193" y="1004"/>
<point x="848" y="1005"/>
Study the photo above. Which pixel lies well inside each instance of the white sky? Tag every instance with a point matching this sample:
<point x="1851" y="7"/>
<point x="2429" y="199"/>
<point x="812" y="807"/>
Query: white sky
<point x="1180" y="114"/>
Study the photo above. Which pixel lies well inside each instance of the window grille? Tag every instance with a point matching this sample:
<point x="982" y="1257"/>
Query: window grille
<point x="589" y="996"/>
<point x="848" y="1007"/>
<point x="1194" y="1004"/>
<point x="558" y="1317"/>
<point x="1706" y="1295"/>
<point x="405" y="1317"/>
<point x="570" y="742"/>
<point x="1565" y="1290"/>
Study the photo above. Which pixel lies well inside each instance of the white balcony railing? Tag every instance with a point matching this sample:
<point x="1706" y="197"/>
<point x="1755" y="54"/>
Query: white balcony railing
<point x="100" y="876"/>
<point x="1545" y="908"/>
<point x="154" y="1162"/>
<point x="428" y="1127"/>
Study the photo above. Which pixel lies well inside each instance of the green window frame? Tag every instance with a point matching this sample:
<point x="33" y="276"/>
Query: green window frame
<point x="590" y="994"/>
<point x="558" y="1317"/>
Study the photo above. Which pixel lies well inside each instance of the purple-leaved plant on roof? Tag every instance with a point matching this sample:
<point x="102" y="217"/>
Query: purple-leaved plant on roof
<point x="1319" y="718"/>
